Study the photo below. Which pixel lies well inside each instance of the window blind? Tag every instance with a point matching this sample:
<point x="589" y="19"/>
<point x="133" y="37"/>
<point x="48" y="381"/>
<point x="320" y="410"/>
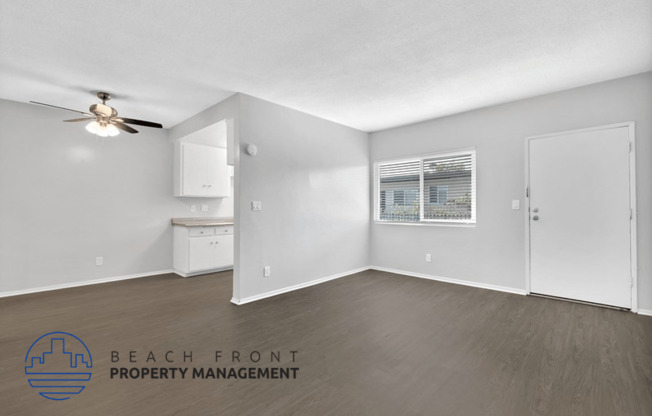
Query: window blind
<point x="399" y="186"/>
<point x="431" y="188"/>
<point x="452" y="178"/>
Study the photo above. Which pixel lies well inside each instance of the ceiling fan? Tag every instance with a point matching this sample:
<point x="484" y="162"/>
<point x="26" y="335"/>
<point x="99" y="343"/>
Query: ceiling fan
<point x="104" y="120"/>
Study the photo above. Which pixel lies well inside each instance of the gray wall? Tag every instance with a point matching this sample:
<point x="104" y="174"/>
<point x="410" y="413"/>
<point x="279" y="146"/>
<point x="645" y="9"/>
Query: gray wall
<point x="493" y="252"/>
<point x="69" y="196"/>
<point x="312" y="177"/>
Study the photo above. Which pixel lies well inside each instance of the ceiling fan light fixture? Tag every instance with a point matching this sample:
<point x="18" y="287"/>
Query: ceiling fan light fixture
<point x="93" y="127"/>
<point x="104" y="120"/>
<point x="112" y="130"/>
<point x="102" y="129"/>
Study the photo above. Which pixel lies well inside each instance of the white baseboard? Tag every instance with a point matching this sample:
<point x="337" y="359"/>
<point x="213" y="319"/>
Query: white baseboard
<point x="193" y="274"/>
<point x="84" y="283"/>
<point x="647" y="312"/>
<point x="382" y="269"/>
<point x="450" y="280"/>
<point x="296" y="287"/>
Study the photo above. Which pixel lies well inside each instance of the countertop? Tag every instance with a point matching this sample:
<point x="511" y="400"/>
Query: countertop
<point x="201" y="221"/>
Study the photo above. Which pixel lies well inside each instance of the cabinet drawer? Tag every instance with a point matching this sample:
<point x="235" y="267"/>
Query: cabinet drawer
<point x="201" y="231"/>
<point x="224" y="230"/>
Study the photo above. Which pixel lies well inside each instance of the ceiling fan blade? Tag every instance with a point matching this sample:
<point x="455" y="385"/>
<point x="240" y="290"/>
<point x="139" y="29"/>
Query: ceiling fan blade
<point x="63" y="108"/>
<point x="73" y="120"/>
<point x="124" y="127"/>
<point x="140" y="122"/>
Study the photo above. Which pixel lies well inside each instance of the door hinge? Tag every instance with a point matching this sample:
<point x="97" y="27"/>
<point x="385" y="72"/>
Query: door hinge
<point x="527" y="192"/>
<point x="631" y="213"/>
<point x="630" y="147"/>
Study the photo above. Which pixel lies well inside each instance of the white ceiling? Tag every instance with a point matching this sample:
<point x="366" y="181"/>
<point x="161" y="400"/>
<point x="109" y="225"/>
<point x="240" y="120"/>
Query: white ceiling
<point x="368" y="64"/>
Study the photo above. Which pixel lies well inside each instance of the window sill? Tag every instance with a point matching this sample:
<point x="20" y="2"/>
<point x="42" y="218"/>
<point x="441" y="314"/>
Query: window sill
<point x="429" y="224"/>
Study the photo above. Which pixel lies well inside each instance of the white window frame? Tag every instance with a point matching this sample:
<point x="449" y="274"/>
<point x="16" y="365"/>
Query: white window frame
<point x="449" y="222"/>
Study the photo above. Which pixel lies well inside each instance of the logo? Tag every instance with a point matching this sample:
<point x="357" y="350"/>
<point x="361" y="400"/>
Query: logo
<point x="58" y="365"/>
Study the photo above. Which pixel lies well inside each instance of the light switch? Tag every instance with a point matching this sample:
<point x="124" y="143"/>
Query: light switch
<point x="516" y="204"/>
<point x="256" y="205"/>
<point x="193" y="208"/>
<point x="204" y="208"/>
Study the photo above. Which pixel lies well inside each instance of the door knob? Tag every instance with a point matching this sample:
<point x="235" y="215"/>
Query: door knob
<point x="535" y="218"/>
<point x="535" y="210"/>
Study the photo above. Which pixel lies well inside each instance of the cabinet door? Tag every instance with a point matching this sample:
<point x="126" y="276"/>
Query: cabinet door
<point x="201" y="253"/>
<point x="193" y="166"/>
<point x="224" y="250"/>
<point x="200" y="169"/>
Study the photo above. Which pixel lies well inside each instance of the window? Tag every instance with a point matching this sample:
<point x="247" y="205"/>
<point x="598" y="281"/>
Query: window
<point x="427" y="189"/>
<point x="399" y="197"/>
<point x="399" y="191"/>
<point x="438" y="195"/>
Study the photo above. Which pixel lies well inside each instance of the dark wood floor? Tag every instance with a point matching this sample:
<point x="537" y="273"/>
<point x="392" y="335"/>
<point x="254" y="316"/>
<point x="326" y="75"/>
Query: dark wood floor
<point x="369" y="344"/>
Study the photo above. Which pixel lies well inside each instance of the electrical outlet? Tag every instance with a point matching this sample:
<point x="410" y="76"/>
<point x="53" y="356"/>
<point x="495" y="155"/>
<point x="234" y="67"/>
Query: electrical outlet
<point x="193" y="208"/>
<point x="267" y="271"/>
<point x="99" y="261"/>
<point x="516" y="204"/>
<point x="204" y="208"/>
<point x="428" y="258"/>
<point x="256" y="206"/>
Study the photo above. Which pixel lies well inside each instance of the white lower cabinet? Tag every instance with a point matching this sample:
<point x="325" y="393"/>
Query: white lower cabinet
<point x="199" y="250"/>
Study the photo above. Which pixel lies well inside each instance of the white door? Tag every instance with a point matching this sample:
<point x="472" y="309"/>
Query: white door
<point x="580" y="216"/>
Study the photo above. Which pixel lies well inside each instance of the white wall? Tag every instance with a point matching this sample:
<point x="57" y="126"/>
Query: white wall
<point x="312" y="177"/>
<point x="213" y="135"/>
<point x="69" y="196"/>
<point x="205" y="124"/>
<point x="493" y="251"/>
<point x="228" y="108"/>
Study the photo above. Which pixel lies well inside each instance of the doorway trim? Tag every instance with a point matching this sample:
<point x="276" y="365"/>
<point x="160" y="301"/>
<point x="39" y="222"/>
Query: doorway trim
<point x="632" y="202"/>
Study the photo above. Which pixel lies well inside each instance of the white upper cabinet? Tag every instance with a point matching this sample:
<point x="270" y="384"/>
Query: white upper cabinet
<point x="200" y="171"/>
